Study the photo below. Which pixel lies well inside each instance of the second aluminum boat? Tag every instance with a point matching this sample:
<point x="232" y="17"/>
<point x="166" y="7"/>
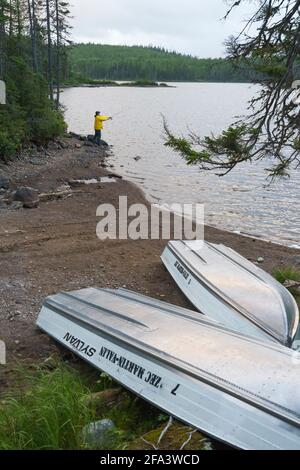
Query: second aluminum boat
<point x="233" y="291"/>
<point x="235" y="388"/>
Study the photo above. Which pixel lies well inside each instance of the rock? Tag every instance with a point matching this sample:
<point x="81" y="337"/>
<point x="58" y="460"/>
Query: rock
<point x="36" y="161"/>
<point x="63" y="187"/>
<point x="75" y="183"/>
<point x="76" y="136"/>
<point x="99" y="433"/>
<point x="260" y="259"/>
<point x="63" y="144"/>
<point x="137" y="158"/>
<point x="28" y="196"/>
<point x="16" y="205"/>
<point x="87" y="143"/>
<point x="78" y="146"/>
<point x="113" y="175"/>
<point x="4" y="182"/>
<point x="52" y="146"/>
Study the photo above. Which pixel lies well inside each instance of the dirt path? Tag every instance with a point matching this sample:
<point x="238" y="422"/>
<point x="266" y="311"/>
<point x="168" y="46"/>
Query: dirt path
<point x="54" y="247"/>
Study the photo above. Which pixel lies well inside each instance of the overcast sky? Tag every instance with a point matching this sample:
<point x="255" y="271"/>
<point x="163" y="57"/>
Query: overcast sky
<point x="189" y="26"/>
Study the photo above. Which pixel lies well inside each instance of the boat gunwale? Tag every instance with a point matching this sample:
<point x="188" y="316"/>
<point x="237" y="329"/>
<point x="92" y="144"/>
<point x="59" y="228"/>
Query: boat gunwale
<point x="262" y="276"/>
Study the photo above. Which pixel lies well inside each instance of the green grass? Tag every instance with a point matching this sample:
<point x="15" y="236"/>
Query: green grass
<point x="287" y="273"/>
<point x="49" y="409"/>
<point x="48" y="414"/>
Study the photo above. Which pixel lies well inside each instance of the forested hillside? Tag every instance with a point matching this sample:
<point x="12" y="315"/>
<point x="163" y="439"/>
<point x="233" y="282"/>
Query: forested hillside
<point x="107" y="62"/>
<point x="33" y="61"/>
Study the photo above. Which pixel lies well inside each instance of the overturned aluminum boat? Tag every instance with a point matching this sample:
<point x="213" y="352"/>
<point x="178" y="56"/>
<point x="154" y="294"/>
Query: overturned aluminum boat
<point x="233" y="291"/>
<point x="239" y="390"/>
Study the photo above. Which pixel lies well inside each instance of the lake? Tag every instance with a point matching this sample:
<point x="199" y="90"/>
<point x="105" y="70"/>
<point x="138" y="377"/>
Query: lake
<point x="242" y="201"/>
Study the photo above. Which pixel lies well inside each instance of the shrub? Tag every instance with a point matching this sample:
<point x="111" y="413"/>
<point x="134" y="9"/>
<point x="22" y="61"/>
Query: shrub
<point x="28" y="115"/>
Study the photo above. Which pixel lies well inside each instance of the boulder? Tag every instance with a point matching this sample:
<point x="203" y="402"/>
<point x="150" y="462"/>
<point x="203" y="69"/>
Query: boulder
<point x="98" y="434"/>
<point x="28" y="196"/>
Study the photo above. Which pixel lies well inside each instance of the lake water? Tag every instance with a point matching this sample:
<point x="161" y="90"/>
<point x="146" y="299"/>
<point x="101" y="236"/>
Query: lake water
<point x="240" y="201"/>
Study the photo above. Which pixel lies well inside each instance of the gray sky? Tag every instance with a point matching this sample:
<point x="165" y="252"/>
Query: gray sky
<point x="188" y="26"/>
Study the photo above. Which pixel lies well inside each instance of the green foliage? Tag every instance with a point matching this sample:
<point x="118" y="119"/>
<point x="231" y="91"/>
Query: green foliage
<point x="287" y="273"/>
<point x="267" y="50"/>
<point x="28" y="115"/>
<point x="231" y="142"/>
<point x="49" y="414"/>
<point x="105" y="62"/>
<point x="48" y="408"/>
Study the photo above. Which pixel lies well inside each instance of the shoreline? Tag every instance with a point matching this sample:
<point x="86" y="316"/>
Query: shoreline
<point x="54" y="247"/>
<point x="222" y="229"/>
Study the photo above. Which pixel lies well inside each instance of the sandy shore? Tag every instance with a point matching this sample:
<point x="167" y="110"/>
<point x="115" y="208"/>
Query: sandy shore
<point x="54" y="247"/>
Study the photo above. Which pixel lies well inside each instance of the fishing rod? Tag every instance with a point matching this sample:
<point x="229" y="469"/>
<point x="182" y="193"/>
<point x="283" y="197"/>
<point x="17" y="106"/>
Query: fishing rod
<point x="117" y="114"/>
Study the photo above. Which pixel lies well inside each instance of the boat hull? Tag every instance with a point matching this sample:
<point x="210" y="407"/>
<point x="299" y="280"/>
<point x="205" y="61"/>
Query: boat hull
<point x="229" y="289"/>
<point x="174" y="386"/>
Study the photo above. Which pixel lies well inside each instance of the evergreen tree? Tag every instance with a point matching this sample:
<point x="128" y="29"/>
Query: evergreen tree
<point x="272" y="129"/>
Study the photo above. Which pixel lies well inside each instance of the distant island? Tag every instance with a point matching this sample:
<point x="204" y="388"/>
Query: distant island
<point x="87" y="82"/>
<point x="151" y="64"/>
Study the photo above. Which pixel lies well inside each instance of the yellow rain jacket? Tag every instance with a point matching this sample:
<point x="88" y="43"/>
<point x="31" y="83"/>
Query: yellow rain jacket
<point x="99" y="122"/>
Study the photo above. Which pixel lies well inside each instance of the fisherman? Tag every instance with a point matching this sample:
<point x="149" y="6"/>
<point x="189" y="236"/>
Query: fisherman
<point x="99" y="126"/>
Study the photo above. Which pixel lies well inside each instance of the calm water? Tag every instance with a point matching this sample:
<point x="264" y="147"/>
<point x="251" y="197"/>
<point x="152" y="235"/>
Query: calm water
<point x="240" y="202"/>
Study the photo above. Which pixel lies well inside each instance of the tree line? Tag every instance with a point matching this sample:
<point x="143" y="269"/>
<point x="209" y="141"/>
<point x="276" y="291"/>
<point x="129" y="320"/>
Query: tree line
<point x="34" y="36"/>
<point x="106" y="62"/>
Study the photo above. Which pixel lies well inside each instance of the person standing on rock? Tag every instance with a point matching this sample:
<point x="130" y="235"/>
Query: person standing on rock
<point x="99" y="126"/>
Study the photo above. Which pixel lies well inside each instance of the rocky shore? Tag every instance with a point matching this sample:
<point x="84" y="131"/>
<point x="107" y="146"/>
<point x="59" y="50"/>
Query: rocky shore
<point x="48" y="242"/>
<point x="53" y="246"/>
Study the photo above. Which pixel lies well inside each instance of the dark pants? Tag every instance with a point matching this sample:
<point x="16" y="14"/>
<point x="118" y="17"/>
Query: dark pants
<point x="97" y="137"/>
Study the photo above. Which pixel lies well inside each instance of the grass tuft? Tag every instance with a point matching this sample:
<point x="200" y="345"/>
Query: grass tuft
<point x="49" y="408"/>
<point x="287" y="273"/>
<point x="48" y="414"/>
